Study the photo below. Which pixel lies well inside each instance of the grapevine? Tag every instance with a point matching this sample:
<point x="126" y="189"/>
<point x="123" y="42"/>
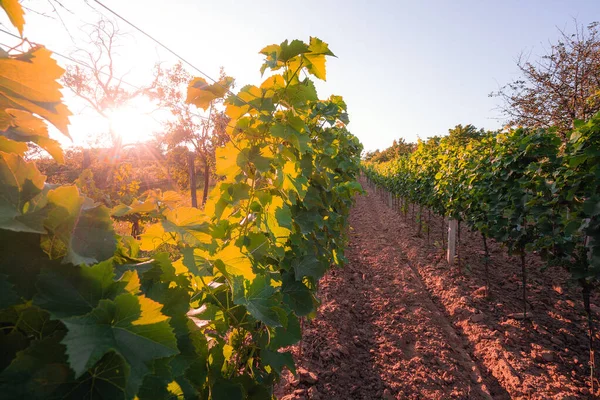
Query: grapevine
<point x="208" y="312"/>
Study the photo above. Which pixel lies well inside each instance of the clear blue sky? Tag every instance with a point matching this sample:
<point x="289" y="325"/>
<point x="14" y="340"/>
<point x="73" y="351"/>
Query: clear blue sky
<point x="406" y="68"/>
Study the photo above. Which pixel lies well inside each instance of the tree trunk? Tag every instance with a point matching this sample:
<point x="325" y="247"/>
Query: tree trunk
<point x="86" y="159"/>
<point x="206" y="181"/>
<point x="192" y="179"/>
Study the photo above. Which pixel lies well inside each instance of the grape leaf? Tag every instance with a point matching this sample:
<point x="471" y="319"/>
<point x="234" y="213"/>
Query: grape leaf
<point x="37" y="371"/>
<point x="132" y="326"/>
<point x="201" y="94"/>
<point x="309" y="266"/>
<point x="296" y="295"/>
<point x="76" y="290"/>
<point x="78" y="231"/>
<point x="258" y="299"/>
<point x="29" y="83"/>
<point x="15" y="13"/>
<point x="20" y="183"/>
<point x="278" y="360"/>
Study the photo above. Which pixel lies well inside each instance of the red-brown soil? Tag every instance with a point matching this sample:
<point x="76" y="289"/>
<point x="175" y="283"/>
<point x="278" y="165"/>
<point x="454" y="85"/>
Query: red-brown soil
<point x="398" y="323"/>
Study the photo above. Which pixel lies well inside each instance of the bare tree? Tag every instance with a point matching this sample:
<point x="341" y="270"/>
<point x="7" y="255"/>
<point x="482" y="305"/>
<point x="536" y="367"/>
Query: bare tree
<point x="559" y="88"/>
<point x="98" y="82"/>
<point x="203" y="133"/>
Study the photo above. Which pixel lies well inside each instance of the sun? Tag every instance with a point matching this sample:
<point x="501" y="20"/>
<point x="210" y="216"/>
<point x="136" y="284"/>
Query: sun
<point x="133" y="122"/>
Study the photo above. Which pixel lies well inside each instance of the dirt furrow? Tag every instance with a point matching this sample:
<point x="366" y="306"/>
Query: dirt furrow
<point x="378" y="334"/>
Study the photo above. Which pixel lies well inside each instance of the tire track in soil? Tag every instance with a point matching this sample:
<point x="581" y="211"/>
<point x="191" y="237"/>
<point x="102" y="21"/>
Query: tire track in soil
<point x="378" y="333"/>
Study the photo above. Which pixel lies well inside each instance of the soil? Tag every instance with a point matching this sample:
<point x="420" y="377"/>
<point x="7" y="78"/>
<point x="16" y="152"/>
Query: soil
<point x="397" y="322"/>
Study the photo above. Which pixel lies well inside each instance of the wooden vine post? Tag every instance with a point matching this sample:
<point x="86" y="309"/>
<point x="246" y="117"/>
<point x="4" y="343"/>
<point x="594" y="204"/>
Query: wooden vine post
<point x="452" y="229"/>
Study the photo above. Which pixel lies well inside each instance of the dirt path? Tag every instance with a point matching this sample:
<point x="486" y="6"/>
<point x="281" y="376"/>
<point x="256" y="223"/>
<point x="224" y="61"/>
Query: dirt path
<point x="394" y="324"/>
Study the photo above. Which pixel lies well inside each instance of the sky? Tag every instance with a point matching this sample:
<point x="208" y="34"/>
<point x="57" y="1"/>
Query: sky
<point x="407" y="69"/>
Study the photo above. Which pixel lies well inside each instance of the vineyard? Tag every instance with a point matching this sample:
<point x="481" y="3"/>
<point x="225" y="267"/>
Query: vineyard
<point x="521" y="188"/>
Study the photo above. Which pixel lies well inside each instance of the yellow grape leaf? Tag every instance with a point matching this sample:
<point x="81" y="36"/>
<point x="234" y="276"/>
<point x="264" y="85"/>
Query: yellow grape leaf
<point x="186" y="216"/>
<point x="154" y="236"/>
<point x="315" y="64"/>
<point x="133" y="282"/>
<point x="235" y="112"/>
<point x="139" y="207"/>
<point x="317" y="46"/>
<point x="272" y="48"/>
<point x="250" y="93"/>
<point x="170" y="196"/>
<point x="10" y="146"/>
<point x="293" y="179"/>
<point x="278" y="214"/>
<point x="23" y="126"/>
<point x="274" y="82"/>
<point x="236" y="262"/>
<point x="52" y="147"/>
<point x="189" y="223"/>
<point x="15" y="13"/>
<point x="175" y="390"/>
<point x="226" y="160"/>
<point x="227" y="351"/>
<point x="150" y="312"/>
<point x="179" y="267"/>
<point x="213" y="197"/>
<point x="315" y="59"/>
<point x="28" y="82"/>
<point x="200" y="281"/>
<point x="200" y="93"/>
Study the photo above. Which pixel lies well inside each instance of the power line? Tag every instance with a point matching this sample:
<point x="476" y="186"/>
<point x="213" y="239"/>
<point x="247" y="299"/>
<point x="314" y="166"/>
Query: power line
<point x="153" y="39"/>
<point x="79" y="62"/>
<point x="169" y="50"/>
<point x="83" y="64"/>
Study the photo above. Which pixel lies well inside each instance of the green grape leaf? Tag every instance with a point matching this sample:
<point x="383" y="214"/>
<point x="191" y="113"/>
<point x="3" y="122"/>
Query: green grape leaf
<point x="288" y="335"/>
<point x="278" y="360"/>
<point x="107" y="379"/>
<point x="291" y="50"/>
<point x="291" y="135"/>
<point x="227" y="390"/>
<point x="132" y="326"/>
<point x="20" y="183"/>
<point x="38" y="371"/>
<point x="78" y="231"/>
<point x="76" y="290"/>
<point x="8" y="296"/>
<point x="301" y="93"/>
<point x="258" y="299"/>
<point x="309" y="266"/>
<point x="296" y="295"/>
